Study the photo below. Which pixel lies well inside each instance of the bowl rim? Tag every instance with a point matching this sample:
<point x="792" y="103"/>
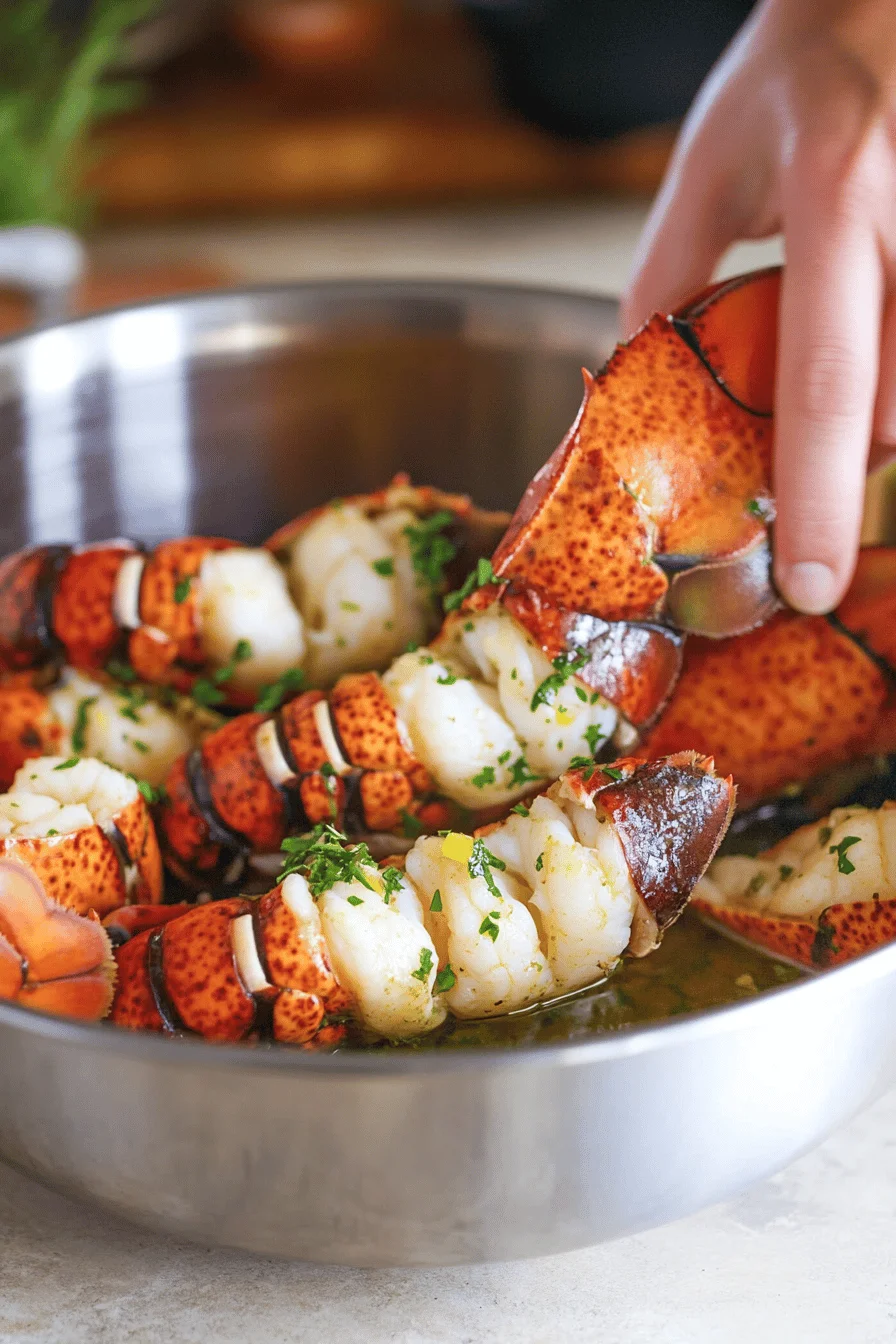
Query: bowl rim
<point x="623" y="1043"/>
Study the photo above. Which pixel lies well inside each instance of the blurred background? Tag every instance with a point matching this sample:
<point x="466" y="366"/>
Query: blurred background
<point x="204" y="142"/>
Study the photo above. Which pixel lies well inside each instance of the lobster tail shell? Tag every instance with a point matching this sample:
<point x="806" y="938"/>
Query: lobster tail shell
<point x="50" y="957"/>
<point x="665" y="470"/>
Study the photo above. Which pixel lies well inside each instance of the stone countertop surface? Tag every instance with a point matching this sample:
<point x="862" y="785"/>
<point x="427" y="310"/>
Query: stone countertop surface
<point x="807" y="1255"/>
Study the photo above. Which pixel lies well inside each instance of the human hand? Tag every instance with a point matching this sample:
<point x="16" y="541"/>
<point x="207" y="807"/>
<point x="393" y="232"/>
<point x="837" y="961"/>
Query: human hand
<point x="795" y="129"/>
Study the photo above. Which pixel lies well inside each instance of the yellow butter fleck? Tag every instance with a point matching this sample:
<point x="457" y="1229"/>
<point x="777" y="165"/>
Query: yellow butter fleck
<point x="563" y="715"/>
<point x="457" y="847"/>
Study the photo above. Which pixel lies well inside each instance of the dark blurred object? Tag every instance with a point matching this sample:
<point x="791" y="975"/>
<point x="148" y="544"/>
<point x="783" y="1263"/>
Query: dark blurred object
<point x="314" y="37"/>
<point x="589" y="69"/>
<point x="168" y="29"/>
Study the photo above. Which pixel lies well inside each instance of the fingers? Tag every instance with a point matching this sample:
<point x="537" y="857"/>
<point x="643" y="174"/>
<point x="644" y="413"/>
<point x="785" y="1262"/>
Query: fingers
<point x="686" y="234"/>
<point x="828" y="356"/>
<point x="884" y="445"/>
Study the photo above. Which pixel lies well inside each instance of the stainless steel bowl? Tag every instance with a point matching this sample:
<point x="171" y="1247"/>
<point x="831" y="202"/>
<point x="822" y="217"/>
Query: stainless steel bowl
<point x="226" y="414"/>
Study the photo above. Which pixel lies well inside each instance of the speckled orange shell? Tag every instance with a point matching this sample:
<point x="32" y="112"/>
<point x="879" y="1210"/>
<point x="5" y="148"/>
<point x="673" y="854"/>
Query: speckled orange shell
<point x="661" y="461"/>
<point x="774" y="706"/>
<point x="130" y="920"/>
<point x="322" y="798"/>
<point x="82" y="870"/>
<point x="385" y="794"/>
<point x="294" y="960"/>
<point x="22" y="643"/>
<point x="200" y="972"/>
<point x="51" y="958"/>
<point x="633" y="666"/>
<point x="869" y="607"/>
<point x="300" y="731"/>
<point x="167" y="566"/>
<point x="243" y="796"/>
<point x="183" y="830"/>
<point x="134" y="1005"/>
<point x="671" y="815"/>
<point x="83" y="611"/>
<point x="842" y="932"/>
<point x="27" y="729"/>
<point x="366" y="724"/>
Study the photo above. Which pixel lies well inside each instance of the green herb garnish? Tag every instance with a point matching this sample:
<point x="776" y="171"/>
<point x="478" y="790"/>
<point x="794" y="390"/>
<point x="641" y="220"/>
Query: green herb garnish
<point x="324" y="857"/>
<point x="520" y="773"/>
<point x="480" y="864"/>
<point x="350" y="606"/>
<point x="206" y="692"/>
<point x="486" y="776"/>
<point x="430" y="550"/>
<point x="539" y="863"/>
<point x="423" y="970"/>
<point x="489" y="927"/>
<point x="477" y="578"/>
<point x="448" y="680"/>
<point x="445" y="980"/>
<point x="355" y="900"/>
<point x="615" y="775"/>
<point x="435" y="904"/>
<point x="411" y="827"/>
<point x="565" y="665"/>
<point x="385" y="567"/>
<point x="182" y="589"/>
<point x="824" y="834"/>
<point x="67" y="765"/>
<point x="271" y="697"/>
<point x="120" y="671"/>
<point x="844" y="864"/>
<point x="592" y="736"/>
<point x="79" y="732"/>
<point x="785" y="871"/>
<point x="520" y="810"/>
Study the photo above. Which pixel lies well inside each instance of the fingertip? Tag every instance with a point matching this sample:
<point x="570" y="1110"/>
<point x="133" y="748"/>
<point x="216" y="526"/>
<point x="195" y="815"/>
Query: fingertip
<point x="810" y="586"/>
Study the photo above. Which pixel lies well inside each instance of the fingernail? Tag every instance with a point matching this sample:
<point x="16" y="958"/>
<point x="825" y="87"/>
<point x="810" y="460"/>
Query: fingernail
<point x="809" y="586"/>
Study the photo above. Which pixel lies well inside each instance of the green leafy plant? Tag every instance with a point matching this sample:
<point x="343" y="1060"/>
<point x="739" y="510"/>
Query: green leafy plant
<point x="54" y="87"/>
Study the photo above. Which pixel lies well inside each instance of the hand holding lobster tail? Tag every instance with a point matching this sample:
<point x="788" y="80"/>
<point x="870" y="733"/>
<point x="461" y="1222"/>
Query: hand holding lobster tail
<point x="536" y="906"/>
<point x="344" y="587"/>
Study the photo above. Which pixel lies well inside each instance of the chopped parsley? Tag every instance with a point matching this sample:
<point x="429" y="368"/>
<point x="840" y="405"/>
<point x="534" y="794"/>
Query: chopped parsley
<point x="477" y="578"/>
<point x="824" y="834"/>
<point x="565" y="665"/>
<point x="581" y="693"/>
<point x="411" y="827"/>
<point x="435" y="904"/>
<point x="182" y="589"/>
<point x="845" y="864"/>
<point x="355" y="900"/>
<point x="391" y="883"/>
<point x="585" y="764"/>
<point x="520" y="810"/>
<point x="445" y="980"/>
<point x="271" y="697"/>
<point x="592" y="736"/>
<point x="756" y="883"/>
<point x="133" y="700"/>
<point x="423" y="970"/>
<point x="150" y="794"/>
<point x="140" y="746"/>
<point x="504" y="757"/>
<point x="120" y="671"/>
<point x="520" y="773"/>
<point x="79" y="732"/>
<point x="431" y="551"/>
<point x="481" y="863"/>
<point x="385" y="567"/>
<point x="324" y="857"/>
<point x="468" y="626"/>
<point x="52" y="831"/>
<point x="350" y="606"/>
<point x="66" y="765"/>
<point x="539" y="862"/>
<point x="486" y="776"/>
<point x="489" y="926"/>
<point x="615" y="775"/>
<point x="206" y="692"/>
<point x="448" y="680"/>
<point x="785" y="871"/>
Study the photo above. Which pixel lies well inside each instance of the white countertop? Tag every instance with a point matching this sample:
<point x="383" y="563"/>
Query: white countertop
<point x="808" y="1255"/>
